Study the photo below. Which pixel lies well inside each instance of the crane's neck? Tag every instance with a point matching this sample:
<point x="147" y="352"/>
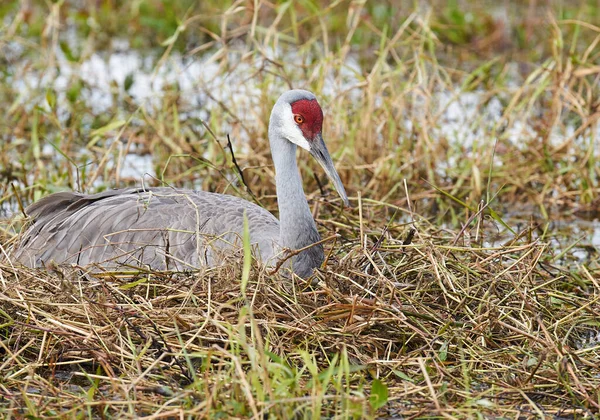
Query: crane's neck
<point x="297" y="226"/>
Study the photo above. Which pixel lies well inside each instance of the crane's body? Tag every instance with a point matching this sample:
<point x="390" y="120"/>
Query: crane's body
<point x="175" y="229"/>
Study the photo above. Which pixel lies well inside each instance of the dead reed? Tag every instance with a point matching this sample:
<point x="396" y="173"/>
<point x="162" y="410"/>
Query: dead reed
<point x="460" y="285"/>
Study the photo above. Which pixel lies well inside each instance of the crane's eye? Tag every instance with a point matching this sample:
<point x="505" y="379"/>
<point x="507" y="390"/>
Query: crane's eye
<point x="299" y="119"/>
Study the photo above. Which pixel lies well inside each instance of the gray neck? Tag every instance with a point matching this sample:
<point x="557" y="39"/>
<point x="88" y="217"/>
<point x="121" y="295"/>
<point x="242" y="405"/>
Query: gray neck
<point x="297" y="226"/>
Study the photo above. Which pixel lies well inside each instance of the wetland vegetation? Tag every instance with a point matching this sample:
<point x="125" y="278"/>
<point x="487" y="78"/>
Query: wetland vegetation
<point x="464" y="281"/>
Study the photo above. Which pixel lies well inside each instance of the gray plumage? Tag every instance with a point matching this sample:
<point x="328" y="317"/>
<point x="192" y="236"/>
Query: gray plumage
<point x="175" y="229"/>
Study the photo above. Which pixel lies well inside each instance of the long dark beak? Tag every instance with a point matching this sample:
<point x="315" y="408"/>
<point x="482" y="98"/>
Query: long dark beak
<point x="319" y="151"/>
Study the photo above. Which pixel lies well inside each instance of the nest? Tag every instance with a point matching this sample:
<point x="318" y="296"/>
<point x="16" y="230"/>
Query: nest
<point x="447" y="329"/>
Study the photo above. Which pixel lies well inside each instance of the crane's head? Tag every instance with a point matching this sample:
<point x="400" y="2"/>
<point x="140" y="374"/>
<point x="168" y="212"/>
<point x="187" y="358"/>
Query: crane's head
<point x="298" y="118"/>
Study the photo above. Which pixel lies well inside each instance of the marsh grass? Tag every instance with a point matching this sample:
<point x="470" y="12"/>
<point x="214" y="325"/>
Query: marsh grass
<point x="450" y="290"/>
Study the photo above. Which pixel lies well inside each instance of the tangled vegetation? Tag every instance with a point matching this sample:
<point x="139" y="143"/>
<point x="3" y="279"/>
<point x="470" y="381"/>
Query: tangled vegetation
<point x="464" y="282"/>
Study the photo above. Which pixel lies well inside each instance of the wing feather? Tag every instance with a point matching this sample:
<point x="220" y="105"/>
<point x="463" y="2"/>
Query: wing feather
<point x="159" y="227"/>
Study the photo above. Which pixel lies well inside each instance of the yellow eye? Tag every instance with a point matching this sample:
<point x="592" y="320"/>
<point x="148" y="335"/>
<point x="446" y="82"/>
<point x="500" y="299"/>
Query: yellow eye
<point x="299" y="119"/>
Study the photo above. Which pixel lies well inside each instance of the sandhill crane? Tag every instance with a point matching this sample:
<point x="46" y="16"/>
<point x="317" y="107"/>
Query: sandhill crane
<point x="167" y="228"/>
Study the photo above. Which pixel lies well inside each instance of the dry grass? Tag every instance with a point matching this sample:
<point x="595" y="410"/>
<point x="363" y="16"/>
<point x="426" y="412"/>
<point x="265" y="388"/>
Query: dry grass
<point x="452" y="330"/>
<point x="485" y="309"/>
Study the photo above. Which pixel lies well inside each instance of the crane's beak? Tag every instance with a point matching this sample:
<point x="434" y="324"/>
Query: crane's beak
<point x="319" y="151"/>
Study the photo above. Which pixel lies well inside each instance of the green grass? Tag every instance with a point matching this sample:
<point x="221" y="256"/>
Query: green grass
<point x="487" y="309"/>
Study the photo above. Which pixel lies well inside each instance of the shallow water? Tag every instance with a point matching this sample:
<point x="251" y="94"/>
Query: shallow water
<point x="572" y="240"/>
<point x="460" y="113"/>
<point x="463" y="117"/>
